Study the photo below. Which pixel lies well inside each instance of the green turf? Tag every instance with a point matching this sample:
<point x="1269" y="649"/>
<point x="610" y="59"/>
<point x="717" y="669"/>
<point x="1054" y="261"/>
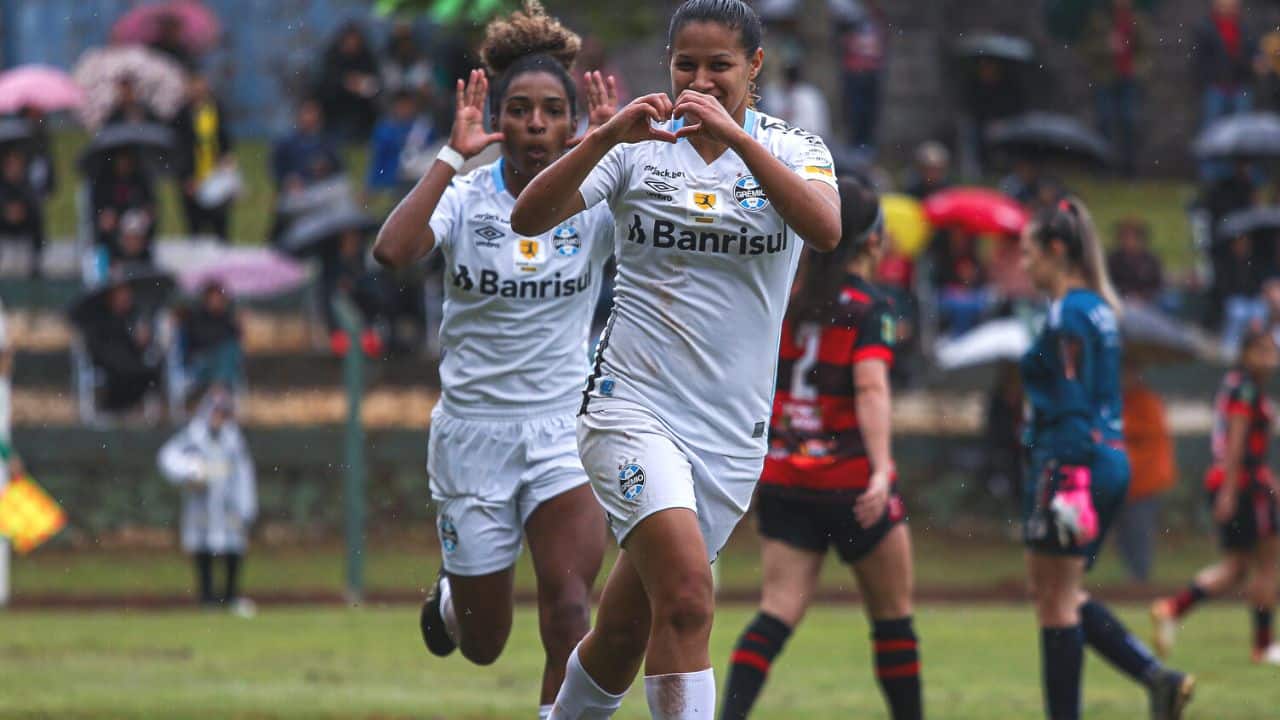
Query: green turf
<point x="980" y="663"/>
<point x="943" y="561"/>
<point x="1160" y="202"/>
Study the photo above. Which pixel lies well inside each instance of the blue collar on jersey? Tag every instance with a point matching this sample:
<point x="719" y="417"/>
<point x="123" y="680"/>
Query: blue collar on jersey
<point x="498" y="181"/>
<point x="748" y="122"/>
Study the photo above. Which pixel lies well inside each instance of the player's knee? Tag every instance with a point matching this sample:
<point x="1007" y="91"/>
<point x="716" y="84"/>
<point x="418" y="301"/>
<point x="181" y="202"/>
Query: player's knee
<point x="484" y="646"/>
<point x="563" y="622"/>
<point x="624" y="639"/>
<point x="687" y="610"/>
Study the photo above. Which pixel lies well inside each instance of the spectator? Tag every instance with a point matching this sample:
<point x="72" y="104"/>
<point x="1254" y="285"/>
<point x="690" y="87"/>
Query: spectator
<point x="169" y="41"/>
<point x="1023" y="182"/>
<point x="897" y="270"/>
<point x="345" y="271"/>
<point x="120" y="347"/>
<point x="348" y="84"/>
<point x="210" y="338"/>
<point x="863" y="50"/>
<point x="1271" y="301"/>
<point x="961" y="282"/>
<point x="21" y="209"/>
<point x="1268" y="71"/>
<point x="403" y="133"/>
<point x="1225" y="55"/>
<point x="995" y="92"/>
<point x="203" y="148"/>
<point x="1150" y="448"/>
<point x="1117" y="46"/>
<point x="1135" y="270"/>
<point x="1004" y="463"/>
<point x="1238" y="283"/>
<point x="405" y="69"/>
<point x="129" y="106"/>
<point x="799" y="102"/>
<point x="134" y="241"/>
<point x="307" y="155"/>
<point x="209" y="461"/>
<point x="122" y="188"/>
<point x="931" y="172"/>
<point x="41" y="167"/>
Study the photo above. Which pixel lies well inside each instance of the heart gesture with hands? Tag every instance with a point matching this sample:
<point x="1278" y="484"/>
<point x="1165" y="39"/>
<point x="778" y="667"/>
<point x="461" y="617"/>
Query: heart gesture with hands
<point x="703" y="115"/>
<point x="469" y="137"/>
<point x="634" y="123"/>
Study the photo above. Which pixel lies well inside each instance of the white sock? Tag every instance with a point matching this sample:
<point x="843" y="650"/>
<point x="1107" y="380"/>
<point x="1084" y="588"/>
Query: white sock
<point x="682" y="696"/>
<point x="580" y="698"/>
<point x="447" y="612"/>
<point x="544" y="712"/>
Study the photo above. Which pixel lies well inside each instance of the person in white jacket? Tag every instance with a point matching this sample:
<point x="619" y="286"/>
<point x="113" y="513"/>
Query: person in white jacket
<point x="210" y="462"/>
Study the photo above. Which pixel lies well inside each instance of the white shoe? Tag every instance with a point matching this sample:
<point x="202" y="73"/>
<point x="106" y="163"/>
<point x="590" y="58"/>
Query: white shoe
<point x="1270" y="656"/>
<point x="1165" y="627"/>
<point x="244" y="608"/>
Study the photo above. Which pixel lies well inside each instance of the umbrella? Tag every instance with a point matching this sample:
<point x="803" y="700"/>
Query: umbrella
<point x="1050" y="134"/>
<point x="40" y="86"/>
<point x="198" y="27"/>
<point x="998" y="47"/>
<point x="1248" y="135"/>
<point x="152" y="288"/>
<point x="153" y="142"/>
<point x="842" y="12"/>
<point x="158" y="78"/>
<point x="1248" y="221"/>
<point x="904" y="219"/>
<point x="309" y="233"/>
<point x="994" y="341"/>
<point x="243" y="272"/>
<point x="976" y="210"/>
<point x="14" y="130"/>
<point x="1153" y="337"/>
<point x="319" y="196"/>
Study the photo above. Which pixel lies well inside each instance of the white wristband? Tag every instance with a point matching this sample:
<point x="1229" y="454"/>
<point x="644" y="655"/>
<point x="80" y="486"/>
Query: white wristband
<point x="451" y="157"/>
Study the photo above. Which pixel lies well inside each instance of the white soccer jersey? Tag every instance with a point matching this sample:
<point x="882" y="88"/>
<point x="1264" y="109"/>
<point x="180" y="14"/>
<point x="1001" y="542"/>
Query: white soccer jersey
<point x="517" y="310"/>
<point x="705" y="266"/>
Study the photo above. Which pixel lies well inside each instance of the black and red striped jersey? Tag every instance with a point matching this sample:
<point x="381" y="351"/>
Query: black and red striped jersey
<point x="1239" y="395"/>
<point x="815" y="443"/>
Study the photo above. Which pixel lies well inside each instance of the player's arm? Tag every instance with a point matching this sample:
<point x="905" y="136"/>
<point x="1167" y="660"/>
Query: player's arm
<point x="871" y="379"/>
<point x="810" y="207"/>
<point x="555" y="195"/>
<point x="1224" y="503"/>
<point x="406" y="236"/>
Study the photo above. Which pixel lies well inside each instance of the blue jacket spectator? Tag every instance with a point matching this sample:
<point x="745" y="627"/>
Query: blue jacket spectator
<point x="391" y="136"/>
<point x="306" y="156"/>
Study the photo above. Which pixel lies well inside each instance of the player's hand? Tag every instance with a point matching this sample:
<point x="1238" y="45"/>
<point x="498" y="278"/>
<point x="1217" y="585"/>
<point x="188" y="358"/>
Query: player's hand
<point x="704" y="115"/>
<point x="469" y="137"/>
<point x="602" y="102"/>
<point x="634" y="123"/>
<point x="1224" y="506"/>
<point x="870" y="505"/>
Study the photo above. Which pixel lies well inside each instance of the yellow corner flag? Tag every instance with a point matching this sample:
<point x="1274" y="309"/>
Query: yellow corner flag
<point x="28" y="516"/>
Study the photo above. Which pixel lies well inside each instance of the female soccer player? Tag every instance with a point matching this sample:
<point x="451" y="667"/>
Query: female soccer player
<point x="710" y="205"/>
<point x="829" y="478"/>
<point x="1242" y="495"/>
<point x="503" y="458"/>
<point x="1078" y="474"/>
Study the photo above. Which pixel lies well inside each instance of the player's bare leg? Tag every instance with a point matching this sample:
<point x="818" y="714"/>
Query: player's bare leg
<point x="566" y="537"/>
<point x="482" y="606"/>
<point x="887" y="580"/>
<point x="1262" y="599"/>
<point x="790" y="580"/>
<point x="1217" y="579"/>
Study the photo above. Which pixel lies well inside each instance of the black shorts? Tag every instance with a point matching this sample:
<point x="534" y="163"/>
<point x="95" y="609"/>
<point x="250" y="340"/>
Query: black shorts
<point x="816" y="524"/>
<point x="1256" y="518"/>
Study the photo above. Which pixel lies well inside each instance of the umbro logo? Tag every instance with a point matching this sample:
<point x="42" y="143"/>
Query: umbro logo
<point x="489" y="232"/>
<point x="661" y="187"/>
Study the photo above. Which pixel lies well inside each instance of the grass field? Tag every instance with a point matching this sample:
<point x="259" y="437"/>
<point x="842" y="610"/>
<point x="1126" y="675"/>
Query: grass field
<point x="980" y="663"/>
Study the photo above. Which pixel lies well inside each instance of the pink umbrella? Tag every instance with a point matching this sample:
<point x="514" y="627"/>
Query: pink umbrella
<point x="40" y="86"/>
<point x="243" y="272"/>
<point x="198" y="27"/>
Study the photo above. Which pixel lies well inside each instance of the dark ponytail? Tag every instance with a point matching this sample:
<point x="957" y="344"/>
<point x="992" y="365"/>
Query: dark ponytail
<point x="733" y="14"/>
<point x="823" y="274"/>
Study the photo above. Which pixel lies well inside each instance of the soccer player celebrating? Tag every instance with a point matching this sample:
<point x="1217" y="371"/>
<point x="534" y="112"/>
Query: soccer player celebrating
<point x="1079" y="473"/>
<point x="1242" y="495"/>
<point x="710" y="200"/>
<point x="503" y="458"/>
<point x="828" y="479"/>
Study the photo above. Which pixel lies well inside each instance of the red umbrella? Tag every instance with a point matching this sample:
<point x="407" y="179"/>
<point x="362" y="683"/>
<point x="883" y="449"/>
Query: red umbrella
<point x="976" y="210"/>
<point x="40" y="86"/>
<point x="198" y="26"/>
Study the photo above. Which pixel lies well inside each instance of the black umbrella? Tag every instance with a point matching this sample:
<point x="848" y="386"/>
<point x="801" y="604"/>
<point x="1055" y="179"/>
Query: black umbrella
<point x="14" y="130"/>
<point x="1152" y="337"/>
<point x="1049" y="134"/>
<point x="1248" y="221"/>
<point x="151" y="288"/>
<point x="150" y="140"/>
<point x="309" y="234"/>
<point x="997" y="47"/>
<point x="1250" y="135"/>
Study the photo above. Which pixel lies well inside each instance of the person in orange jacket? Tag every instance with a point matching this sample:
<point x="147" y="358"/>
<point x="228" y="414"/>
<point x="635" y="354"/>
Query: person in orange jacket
<point x="1150" y="447"/>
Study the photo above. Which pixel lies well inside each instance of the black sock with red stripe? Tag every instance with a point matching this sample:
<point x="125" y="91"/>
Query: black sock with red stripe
<point x="756" y="649"/>
<point x="1185" y="600"/>
<point x="898" y="667"/>
<point x="1261" y="628"/>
